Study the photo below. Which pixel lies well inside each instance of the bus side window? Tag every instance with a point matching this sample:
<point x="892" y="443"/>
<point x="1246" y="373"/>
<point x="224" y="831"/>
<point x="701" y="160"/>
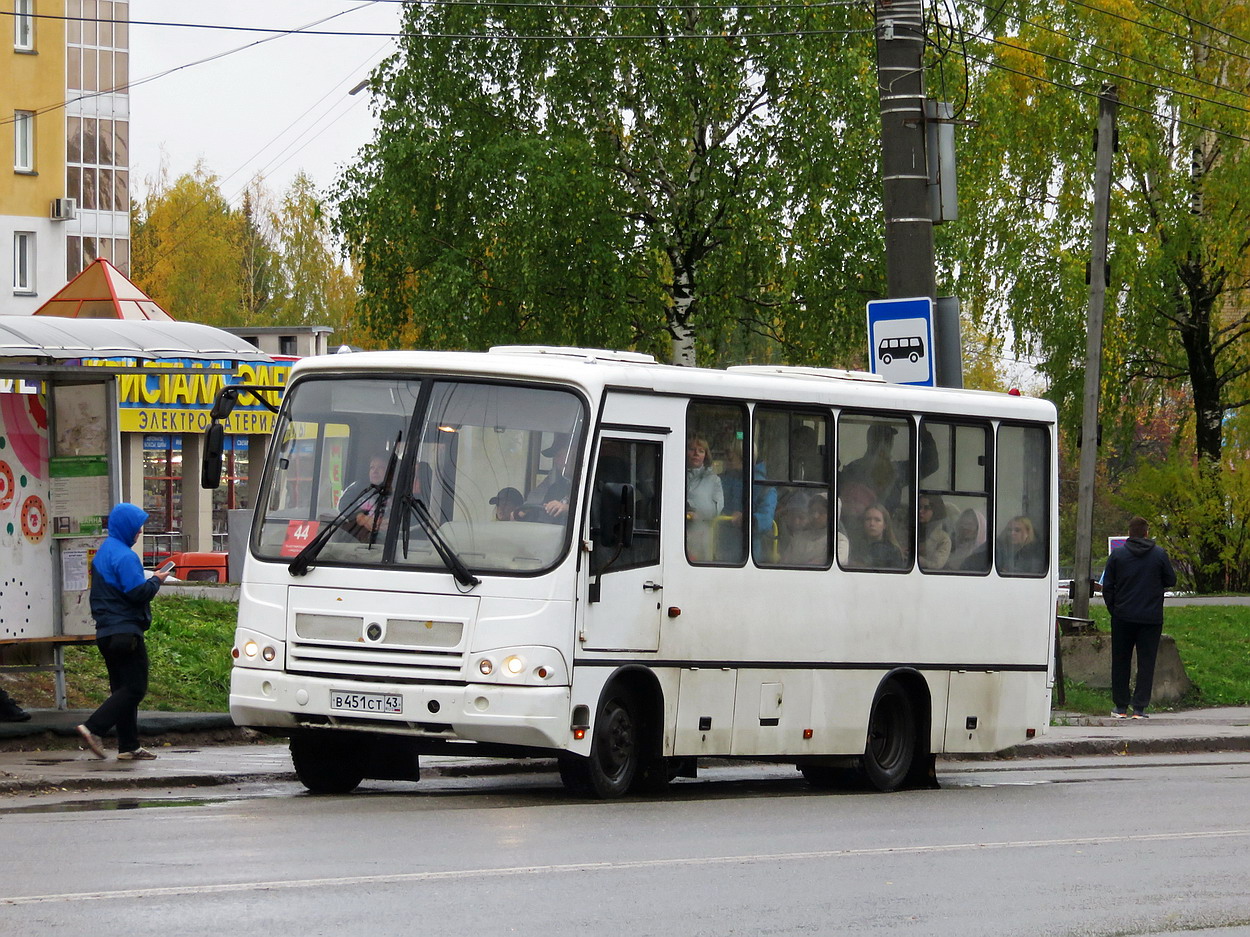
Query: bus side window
<point x="953" y="535"/>
<point x="878" y="462"/>
<point x="1022" y="501"/>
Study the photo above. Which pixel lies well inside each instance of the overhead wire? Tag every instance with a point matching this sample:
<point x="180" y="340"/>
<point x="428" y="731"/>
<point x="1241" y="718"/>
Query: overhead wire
<point x="177" y="68"/>
<point x="988" y="63"/>
<point x="1024" y="21"/>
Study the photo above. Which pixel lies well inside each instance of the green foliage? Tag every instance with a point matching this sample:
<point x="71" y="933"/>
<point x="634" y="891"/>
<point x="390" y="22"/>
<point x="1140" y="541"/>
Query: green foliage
<point x="1211" y="640"/>
<point x="205" y="261"/>
<point x="717" y="179"/>
<point x="1203" y="521"/>
<point x="1179" y="257"/>
<point x="189" y="649"/>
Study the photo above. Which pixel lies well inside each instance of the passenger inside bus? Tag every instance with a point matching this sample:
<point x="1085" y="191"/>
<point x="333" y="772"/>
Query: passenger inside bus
<point x="877" y="547"/>
<point x="934" y="539"/>
<point x="806" y="527"/>
<point x="969" y="551"/>
<point x="704" y="499"/>
<point x="548" y="501"/>
<point x="367" y="516"/>
<point x="1019" y="550"/>
<point x="507" y="503"/>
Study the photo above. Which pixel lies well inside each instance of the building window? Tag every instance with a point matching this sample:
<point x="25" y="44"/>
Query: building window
<point x="24" y="25"/>
<point x="286" y="345"/>
<point x="24" y="141"/>
<point x="23" y="262"/>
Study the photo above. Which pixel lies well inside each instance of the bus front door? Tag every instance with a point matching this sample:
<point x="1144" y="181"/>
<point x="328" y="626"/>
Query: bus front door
<point x="625" y="590"/>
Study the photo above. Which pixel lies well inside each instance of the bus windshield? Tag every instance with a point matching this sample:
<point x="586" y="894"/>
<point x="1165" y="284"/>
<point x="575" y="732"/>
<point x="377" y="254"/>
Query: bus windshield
<point x="419" y="473"/>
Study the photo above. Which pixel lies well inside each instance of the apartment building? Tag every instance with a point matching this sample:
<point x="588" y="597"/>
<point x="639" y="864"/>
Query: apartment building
<point x="65" y="120"/>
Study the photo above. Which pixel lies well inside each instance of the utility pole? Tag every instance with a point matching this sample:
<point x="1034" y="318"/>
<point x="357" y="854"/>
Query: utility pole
<point x="905" y="168"/>
<point x="1108" y="104"/>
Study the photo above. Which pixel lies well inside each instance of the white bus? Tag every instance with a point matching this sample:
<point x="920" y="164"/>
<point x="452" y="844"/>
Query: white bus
<point x="631" y="566"/>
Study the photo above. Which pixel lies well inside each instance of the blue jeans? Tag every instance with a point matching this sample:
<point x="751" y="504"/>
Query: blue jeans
<point x="126" y="657"/>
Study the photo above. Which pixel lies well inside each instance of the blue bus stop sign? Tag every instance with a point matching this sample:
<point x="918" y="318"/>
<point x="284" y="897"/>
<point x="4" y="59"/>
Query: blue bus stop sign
<point x="900" y="340"/>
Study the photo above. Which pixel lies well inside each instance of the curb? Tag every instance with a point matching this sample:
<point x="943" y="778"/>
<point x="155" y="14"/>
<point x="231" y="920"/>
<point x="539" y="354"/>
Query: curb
<point x="132" y="782"/>
<point x="1118" y="746"/>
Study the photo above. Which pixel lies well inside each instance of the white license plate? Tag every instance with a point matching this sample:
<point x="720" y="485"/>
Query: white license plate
<point x="366" y="702"/>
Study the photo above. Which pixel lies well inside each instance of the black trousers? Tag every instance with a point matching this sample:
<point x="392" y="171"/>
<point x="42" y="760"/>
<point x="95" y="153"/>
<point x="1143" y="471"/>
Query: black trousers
<point x="1127" y="636"/>
<point x="126" y="657"/>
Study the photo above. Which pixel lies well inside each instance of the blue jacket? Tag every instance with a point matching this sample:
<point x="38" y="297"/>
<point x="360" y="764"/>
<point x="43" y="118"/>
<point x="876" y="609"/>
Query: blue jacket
<point x="121" y="592"/>
<point x="1135" y="579"/>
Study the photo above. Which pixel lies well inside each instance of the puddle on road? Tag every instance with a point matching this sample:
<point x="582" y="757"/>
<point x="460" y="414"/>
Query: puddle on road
<point x="120" y="803"/>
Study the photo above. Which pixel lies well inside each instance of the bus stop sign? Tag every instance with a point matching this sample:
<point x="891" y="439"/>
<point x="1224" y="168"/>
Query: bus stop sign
<point x="900" y="340"/>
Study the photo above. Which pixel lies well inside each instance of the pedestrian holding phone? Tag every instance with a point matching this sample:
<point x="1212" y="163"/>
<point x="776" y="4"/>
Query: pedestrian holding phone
<point x="121" y="603"/>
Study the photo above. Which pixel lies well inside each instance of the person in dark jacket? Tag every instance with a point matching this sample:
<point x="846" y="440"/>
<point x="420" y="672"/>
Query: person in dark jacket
<point x="1137" y="575"/>
<point x="121" y="600"/>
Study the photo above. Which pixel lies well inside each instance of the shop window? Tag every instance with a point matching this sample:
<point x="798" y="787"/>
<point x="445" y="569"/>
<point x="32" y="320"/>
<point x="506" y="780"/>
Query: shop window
<point x="162" y="499"/>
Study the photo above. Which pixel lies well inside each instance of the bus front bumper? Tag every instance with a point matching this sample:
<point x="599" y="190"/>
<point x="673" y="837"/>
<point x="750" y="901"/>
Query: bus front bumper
<point x="532" y="716"/>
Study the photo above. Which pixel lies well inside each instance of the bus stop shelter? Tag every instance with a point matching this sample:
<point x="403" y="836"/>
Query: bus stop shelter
<point x="60" y="471"/>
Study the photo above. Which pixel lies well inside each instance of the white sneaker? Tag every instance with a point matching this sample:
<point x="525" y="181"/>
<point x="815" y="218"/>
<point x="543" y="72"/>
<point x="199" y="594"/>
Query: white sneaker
<point x="92" y="742"/>
<point x="139" y="754"/>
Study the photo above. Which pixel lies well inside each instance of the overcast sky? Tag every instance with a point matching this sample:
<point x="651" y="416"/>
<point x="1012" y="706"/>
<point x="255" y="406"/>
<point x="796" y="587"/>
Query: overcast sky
<point x="277" y="108"/>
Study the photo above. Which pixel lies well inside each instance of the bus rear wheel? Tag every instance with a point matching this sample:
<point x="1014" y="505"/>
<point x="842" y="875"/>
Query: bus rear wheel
<point x="615" y="751"/>
<point x="891" y="745"/>
<point x="327" y="762"/>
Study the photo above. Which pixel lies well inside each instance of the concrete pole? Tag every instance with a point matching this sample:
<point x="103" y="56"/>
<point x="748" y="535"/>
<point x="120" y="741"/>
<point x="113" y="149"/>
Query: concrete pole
<point x="905" y="170"/>
<point x="1108" y="104"/>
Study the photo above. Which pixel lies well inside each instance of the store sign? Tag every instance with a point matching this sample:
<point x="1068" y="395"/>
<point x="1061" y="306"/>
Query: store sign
<point x="179" y="402"/>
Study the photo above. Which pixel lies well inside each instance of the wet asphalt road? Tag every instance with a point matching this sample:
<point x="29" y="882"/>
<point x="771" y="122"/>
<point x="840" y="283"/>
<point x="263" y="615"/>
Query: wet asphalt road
<point x="1095" y="846"/>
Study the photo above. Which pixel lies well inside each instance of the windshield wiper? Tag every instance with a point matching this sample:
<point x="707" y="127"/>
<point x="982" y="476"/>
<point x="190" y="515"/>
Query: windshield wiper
<point x="416" y="508"/>
<point x="304" y="559"/>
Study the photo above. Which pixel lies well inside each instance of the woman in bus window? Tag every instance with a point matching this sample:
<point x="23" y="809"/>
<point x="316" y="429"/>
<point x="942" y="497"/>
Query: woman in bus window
<point x="704" y="499"/>
<point x="878" y="546"/>
<point x="1019" y="550"/>
<point x="968" y="547"/>
<point x="805" y="530"/>
<point x="935" y="539"/>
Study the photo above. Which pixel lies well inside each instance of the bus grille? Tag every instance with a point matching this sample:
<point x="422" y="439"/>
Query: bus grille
<point x="341" y="646"/>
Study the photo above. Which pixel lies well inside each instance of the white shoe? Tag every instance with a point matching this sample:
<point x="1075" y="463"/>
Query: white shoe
<point x="92" y="742"/>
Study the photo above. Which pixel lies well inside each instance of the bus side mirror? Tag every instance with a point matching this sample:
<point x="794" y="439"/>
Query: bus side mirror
<point x="210" y="467"/>
<point x="223" y="406"/>
<point x="625" y="516"/>
<point x="615" y="510"/>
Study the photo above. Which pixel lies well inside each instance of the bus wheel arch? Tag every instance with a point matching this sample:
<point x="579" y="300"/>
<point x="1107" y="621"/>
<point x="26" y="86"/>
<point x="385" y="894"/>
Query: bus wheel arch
<point x="626" y="743"/>
<point x="897" y="751"/>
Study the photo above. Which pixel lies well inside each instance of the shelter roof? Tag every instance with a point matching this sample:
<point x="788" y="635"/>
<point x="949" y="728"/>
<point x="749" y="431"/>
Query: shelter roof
<point x="62" y="338"/>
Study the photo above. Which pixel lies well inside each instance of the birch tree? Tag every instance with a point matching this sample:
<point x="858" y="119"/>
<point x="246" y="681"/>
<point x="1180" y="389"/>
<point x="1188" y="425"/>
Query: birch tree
<point x="698" y="181"/>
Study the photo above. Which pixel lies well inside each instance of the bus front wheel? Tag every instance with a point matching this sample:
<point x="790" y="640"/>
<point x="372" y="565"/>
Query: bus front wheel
<point x="615" y="751"/>
<point x="327" y="762"/>
<point x="891" y="745"/>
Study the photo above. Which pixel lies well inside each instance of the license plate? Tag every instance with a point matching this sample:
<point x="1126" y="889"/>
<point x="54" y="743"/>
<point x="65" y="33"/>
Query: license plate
<point x="366" y="702"/>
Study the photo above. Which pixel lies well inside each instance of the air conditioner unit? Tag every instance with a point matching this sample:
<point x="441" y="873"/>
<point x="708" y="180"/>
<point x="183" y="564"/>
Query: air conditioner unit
<point x="64" y="209"/>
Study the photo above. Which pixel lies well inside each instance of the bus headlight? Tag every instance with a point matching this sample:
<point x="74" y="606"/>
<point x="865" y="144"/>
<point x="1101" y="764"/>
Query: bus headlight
<point x="257" y="650"/>
<point x="522" y="666"/>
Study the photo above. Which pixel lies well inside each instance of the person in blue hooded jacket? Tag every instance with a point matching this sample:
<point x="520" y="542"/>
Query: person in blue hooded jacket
<point x="121" y="604"/>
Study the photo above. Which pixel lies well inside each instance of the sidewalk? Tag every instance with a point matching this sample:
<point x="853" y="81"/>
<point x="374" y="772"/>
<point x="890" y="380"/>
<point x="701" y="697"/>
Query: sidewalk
<point x="192" y="754"/>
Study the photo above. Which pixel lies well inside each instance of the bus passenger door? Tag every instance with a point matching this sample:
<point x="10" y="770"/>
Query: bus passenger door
<point x="625" y="589"/>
